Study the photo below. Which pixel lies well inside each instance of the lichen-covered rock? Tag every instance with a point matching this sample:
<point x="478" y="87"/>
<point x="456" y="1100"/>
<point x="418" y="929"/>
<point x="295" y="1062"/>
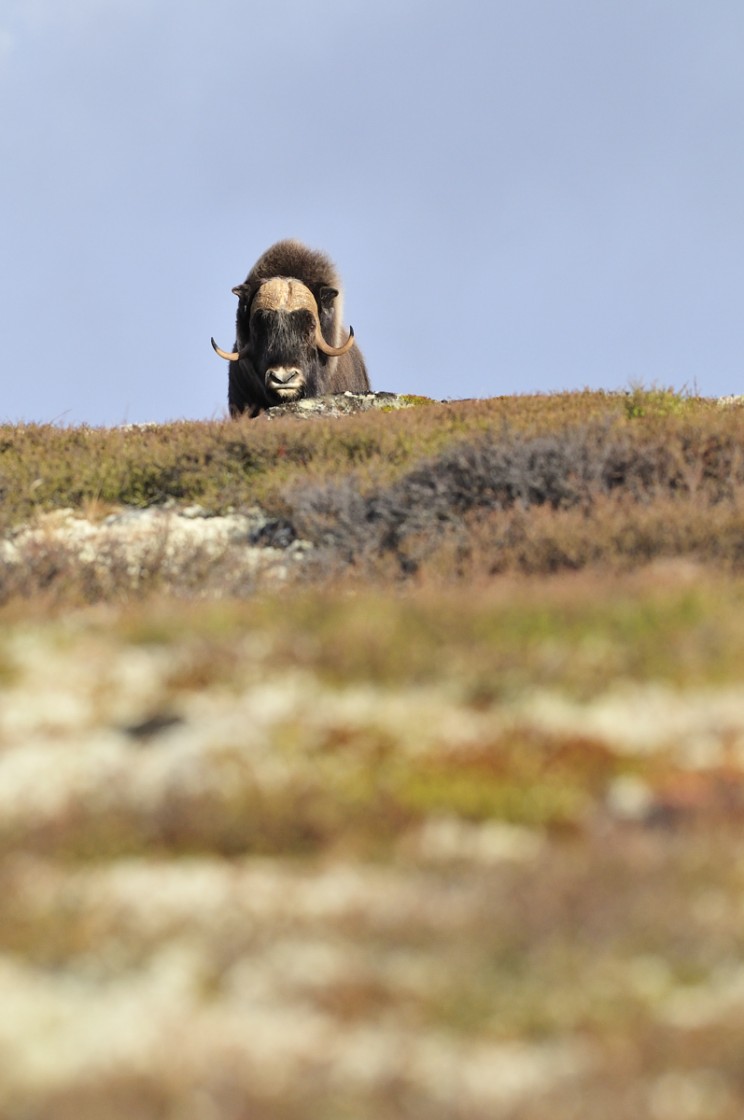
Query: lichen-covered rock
<point x="132" y="546"/>
<point x="343" y="404"/>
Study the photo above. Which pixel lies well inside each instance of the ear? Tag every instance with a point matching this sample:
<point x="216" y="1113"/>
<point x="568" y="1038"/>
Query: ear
<point x="241" y="291"/>
<point x="327" y="296"/>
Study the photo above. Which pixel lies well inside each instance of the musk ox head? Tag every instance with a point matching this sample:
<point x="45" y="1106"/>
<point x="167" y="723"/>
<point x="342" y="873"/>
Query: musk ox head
<point x="280" y="336"/>
<point x="289" y="336"/>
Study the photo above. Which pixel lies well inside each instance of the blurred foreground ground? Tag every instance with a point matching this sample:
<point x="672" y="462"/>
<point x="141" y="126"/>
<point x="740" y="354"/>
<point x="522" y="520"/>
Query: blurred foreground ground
<point x="469" y="853"/>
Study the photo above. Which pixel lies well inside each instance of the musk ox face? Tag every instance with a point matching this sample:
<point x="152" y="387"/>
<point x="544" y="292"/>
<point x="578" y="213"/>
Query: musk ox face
<point x="283" y="353"/>
<point x="285" y="337"/>
<point x="280" y="336"/>
<point x="290" y="341"/>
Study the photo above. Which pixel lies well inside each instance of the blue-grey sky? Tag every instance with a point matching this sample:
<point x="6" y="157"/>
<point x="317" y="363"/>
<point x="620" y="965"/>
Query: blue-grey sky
<point x="520" y="195"/>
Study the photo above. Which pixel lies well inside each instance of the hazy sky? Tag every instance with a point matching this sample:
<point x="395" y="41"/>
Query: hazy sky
<point x="520" y="194"/>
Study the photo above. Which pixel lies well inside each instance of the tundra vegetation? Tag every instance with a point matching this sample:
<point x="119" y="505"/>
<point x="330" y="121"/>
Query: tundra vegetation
<point x="436" y="812"/>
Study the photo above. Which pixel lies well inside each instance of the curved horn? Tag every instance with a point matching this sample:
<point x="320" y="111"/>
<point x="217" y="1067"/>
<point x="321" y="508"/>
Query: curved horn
<point x="234" y="357"/>
<point x="223" y="353"/>
<point x="333" y="351"/>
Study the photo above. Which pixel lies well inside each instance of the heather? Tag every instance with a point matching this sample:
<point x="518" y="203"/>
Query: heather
<point x="447" y="491"/>
<point x="219" y="465"/>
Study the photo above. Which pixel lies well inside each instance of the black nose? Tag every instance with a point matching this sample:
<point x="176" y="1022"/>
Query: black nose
<point x="282" y="375"/>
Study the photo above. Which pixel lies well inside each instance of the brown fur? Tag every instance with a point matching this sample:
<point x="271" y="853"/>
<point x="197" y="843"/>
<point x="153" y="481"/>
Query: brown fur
<point x="248" y="391"/>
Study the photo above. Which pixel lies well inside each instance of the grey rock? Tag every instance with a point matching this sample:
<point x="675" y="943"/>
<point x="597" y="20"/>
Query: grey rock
<point x="343" y="404"/>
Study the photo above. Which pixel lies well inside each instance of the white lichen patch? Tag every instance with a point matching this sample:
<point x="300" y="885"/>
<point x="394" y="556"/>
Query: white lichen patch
<point x="70" y="737"/>
<point x="449" y="838"/>
<point x="135" y="543"/>
<point x="703" y="727"/>
<point x="194" y="897"/>
<point x="57" y="1031"/>
<point x="281" y="968"/>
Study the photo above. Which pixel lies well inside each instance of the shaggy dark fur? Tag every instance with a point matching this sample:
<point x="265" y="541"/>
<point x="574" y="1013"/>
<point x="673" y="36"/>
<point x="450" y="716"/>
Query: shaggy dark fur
<point x="285" y="339"/>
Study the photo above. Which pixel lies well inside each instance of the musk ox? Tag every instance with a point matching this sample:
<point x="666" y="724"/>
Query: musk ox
<point x="289" y="337"/>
